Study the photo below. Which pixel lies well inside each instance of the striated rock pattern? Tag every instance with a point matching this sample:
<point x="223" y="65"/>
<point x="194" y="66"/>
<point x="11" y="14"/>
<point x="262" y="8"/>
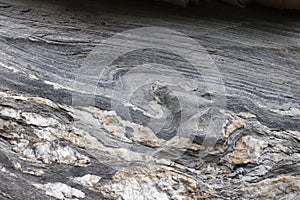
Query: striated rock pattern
<point x="52" y="148"/>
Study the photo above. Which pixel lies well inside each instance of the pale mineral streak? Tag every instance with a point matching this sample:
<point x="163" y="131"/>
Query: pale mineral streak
<point x="61" y="191"/>
<point x="87" y="180"/>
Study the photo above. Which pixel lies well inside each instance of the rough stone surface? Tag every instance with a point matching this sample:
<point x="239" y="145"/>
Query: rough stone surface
<point x="52" y="149"/>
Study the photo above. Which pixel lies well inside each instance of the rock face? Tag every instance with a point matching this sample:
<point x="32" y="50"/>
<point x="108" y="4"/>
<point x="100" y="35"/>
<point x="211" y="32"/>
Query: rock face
<point x="175" y="131"/>
<point x="282" y="4"/>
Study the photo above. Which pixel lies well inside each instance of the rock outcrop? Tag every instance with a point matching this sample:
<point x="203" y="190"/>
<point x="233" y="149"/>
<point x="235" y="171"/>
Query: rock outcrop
<point x="52" y="147"/>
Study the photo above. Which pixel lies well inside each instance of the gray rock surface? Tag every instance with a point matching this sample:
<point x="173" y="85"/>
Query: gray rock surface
<point x="55" y="147"/>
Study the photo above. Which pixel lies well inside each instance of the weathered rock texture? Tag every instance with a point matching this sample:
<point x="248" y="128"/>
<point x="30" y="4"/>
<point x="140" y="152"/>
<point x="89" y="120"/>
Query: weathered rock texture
<point x="50" y="148"/>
